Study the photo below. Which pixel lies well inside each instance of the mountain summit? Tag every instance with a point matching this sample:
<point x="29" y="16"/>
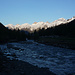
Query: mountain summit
<point x="39" y="25"/>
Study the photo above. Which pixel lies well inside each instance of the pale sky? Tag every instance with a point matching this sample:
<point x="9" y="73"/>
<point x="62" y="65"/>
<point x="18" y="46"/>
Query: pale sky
<point x="30" y="11"/>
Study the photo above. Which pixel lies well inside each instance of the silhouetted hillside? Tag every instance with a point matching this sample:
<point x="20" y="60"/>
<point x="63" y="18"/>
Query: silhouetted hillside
<point x="7" y="35"/>
<point x="67" y="29"/>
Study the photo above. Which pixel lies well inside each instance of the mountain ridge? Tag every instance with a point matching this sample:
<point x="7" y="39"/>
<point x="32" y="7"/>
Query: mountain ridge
<point x="39" y="25"/>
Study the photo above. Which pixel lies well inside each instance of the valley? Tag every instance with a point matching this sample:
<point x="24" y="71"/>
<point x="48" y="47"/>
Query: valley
<point x="60" y="61"/>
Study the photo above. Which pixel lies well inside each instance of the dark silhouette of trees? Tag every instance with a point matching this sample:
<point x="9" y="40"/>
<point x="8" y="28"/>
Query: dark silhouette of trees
<point x="35" y="35"/>
<point x="7" y="34"/>
<point x="67" y="29"/>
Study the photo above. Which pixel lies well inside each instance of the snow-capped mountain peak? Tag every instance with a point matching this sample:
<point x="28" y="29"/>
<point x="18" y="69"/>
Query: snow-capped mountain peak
<point x="35" y="23"/>
<point x="39" y="25"/>
<point x="69" y="20"/>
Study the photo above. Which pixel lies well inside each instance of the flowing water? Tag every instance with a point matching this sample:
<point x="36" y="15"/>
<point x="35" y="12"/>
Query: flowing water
<point x="60" y="61"/>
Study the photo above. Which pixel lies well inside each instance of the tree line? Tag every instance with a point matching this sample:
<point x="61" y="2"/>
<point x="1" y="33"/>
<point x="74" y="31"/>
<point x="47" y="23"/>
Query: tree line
<point x="8" y="35"/>
<point x="67" y="30"/>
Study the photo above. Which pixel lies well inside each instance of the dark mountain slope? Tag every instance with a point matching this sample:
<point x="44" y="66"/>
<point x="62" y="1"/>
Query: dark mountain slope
<point x="7" y="35"/>
<point x="67" y="29"/>
<point x="3" y="33"/>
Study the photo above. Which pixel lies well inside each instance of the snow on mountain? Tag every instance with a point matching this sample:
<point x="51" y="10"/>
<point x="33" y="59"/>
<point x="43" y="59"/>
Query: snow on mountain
<point x="25" y="25"/>
<point x="16" y="26"/>
<point x="69" y="20"/>
<point x="39" y="25"/>
<point x="10" y="26"/>
<point x="58" y="22"/>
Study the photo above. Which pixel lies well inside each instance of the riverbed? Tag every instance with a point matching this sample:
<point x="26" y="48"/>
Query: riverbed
<point x="60" y="61"/>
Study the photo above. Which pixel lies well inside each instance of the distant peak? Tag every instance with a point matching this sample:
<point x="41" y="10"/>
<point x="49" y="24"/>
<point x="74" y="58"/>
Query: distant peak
<point x="9" y="25"/>
<point x="71" y="19"/>
<point x="73" y="16"/>
<point x="61" y="19"/>
<point x="47" y="22"/>
<point x="40" y="25"/>
<point x="17" y="24"/>
<point x="35" y="23"/>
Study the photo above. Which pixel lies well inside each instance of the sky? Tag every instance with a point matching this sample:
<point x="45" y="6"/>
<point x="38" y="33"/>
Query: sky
<point x="30" y="11"/>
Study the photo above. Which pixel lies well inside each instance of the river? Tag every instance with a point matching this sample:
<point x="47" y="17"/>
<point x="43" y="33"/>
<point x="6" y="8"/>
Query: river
<point x="60" y="61"/>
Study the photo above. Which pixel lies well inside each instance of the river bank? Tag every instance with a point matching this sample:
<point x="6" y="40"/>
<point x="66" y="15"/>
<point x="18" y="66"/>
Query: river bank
<point x="16" y="67"/>
<point x="59" y="61"/>
<point x="63" y="42"/>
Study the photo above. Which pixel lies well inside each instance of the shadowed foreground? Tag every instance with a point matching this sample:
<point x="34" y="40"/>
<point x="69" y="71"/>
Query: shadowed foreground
<point x="15" y="67"/>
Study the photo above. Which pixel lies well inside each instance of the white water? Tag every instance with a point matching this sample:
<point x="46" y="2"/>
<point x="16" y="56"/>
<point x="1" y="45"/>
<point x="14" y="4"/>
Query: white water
<point x="60" y="61"/>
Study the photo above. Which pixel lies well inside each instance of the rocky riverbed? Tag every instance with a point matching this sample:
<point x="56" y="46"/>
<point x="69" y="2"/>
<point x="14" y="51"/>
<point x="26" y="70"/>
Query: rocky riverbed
<point x="60" y="61"/>
<point x="16" y="67"/>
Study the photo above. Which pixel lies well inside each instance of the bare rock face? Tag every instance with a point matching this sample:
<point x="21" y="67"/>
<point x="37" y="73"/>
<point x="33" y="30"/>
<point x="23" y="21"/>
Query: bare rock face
<point x="35" y="23"/>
